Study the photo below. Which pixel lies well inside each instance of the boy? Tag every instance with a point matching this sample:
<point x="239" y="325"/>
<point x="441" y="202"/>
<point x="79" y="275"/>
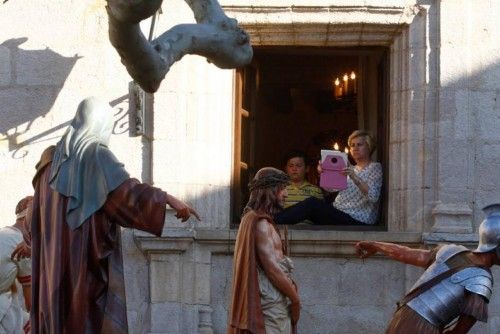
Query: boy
<point x="299" y="189"/>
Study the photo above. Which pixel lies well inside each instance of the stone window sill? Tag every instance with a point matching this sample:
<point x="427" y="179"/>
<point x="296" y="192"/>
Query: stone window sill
<point x="305" y="243"/>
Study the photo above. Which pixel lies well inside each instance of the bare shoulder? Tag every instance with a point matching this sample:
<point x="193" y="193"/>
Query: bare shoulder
<point x="263" y="227"/>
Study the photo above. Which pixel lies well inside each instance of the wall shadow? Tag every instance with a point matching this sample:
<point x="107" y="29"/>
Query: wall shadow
<point x="30" y="81"/>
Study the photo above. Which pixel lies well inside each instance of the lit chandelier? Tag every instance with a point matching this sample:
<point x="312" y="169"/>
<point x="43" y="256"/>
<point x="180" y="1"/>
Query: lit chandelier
<point x="347" y="87"/>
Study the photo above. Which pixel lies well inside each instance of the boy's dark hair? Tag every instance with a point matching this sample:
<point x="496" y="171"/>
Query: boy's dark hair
<point x="296" y="154"/>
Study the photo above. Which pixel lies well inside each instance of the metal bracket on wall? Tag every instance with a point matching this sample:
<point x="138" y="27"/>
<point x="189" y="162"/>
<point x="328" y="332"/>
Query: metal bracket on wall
<point x="138" y="111"/>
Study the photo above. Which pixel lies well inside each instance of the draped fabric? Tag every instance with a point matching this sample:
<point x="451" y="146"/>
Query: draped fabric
<point x="77" y="279"/>
<point x="275" y="305"/>
<point x="407" y="321"/>
<point x="246" y="315"/>
<point x="84" y="169"/>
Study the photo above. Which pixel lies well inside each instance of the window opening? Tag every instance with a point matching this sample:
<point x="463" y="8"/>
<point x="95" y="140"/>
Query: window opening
<point x="307" y="98"/>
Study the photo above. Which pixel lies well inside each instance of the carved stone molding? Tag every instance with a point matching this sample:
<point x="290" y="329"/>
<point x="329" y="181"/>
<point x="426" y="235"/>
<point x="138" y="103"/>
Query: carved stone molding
<point x="278" y="23"/>
<point x="452" y="218"/>
<point x="302" y="243"/>
<point x="151" y="245"/>
<point x="467" y="239"/>
<point x="205" y="325"/>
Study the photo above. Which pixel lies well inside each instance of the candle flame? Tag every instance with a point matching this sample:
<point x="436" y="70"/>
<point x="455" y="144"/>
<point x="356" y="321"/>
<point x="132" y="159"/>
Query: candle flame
<point x="337" y="82"/>
<point x="353" y="75"/>
<point x="346" y="150"/>
<point x="336" y="147"/>
<point x="345" y="77"/>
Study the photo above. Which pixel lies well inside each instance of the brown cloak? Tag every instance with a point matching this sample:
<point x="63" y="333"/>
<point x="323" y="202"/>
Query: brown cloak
<point x="77" y="274"/>
<point x="245" y="315"/>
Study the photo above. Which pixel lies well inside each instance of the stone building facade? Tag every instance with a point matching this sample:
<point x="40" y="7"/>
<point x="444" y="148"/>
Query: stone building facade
<point x="442" y="148"/>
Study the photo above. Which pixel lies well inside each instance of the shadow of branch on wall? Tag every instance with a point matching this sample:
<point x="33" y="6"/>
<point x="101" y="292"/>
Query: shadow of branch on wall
<point x="30" y="81"/>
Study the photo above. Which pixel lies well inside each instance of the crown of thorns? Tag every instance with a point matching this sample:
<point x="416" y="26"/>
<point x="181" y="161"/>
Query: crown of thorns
<point x="269" y="181"/>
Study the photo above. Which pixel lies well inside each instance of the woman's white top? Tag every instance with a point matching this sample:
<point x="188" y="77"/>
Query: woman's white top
<point x="360" y="206"/>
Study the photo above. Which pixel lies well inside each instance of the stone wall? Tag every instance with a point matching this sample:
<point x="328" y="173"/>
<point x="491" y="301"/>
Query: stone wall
<point x="340" y="293"/>
<point x="52" y="55"/>
<point x="469" y="111"/>
<point x="444" y="146"/>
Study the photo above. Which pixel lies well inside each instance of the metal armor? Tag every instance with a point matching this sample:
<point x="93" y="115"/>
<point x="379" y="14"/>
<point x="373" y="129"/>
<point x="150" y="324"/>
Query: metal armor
<point x="489" y="230"/>
<point x="441" y="304"/>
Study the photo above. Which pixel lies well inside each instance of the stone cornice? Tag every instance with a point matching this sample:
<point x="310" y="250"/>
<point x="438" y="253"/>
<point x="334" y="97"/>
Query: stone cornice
<point x="467" y="239"/>
<point x="316" y="24"/>
<point x="302" y="243"/>
<point x="173" y="241"/>
<point x="283" y="12"/>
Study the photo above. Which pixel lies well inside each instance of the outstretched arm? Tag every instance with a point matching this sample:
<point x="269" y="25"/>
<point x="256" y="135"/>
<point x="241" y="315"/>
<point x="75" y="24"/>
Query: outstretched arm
<point x="416" y="257"/>
<point x="183" y="210"/>
<point x="137" y="205"/>
<point x="266" y="253"/>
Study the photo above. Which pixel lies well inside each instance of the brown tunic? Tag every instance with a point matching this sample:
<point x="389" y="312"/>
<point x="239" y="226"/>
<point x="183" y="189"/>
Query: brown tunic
<point x="77" y="274"/>
<point x="406" y="320"/>
<point x="245" y="315"/>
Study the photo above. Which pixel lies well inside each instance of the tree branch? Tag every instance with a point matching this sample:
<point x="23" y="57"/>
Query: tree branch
<point x="214" y="36"/>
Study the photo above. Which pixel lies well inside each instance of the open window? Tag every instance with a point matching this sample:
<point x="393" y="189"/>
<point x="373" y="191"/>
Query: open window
<point x="307" y="98"/>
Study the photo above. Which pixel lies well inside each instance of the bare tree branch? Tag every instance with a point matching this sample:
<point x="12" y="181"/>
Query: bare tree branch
<point x="214" y="36"/>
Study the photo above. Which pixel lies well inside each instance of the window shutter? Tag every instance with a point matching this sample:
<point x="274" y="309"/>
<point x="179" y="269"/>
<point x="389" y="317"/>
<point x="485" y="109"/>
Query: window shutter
<point x="246" y="85"/>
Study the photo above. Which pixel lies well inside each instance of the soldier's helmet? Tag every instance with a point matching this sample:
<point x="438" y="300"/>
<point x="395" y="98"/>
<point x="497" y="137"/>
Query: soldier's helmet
<point x="489" y="230"/>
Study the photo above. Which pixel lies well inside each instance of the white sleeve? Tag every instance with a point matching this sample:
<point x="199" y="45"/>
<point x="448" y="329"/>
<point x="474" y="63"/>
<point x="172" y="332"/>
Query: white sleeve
<point x="374" y="181"/>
